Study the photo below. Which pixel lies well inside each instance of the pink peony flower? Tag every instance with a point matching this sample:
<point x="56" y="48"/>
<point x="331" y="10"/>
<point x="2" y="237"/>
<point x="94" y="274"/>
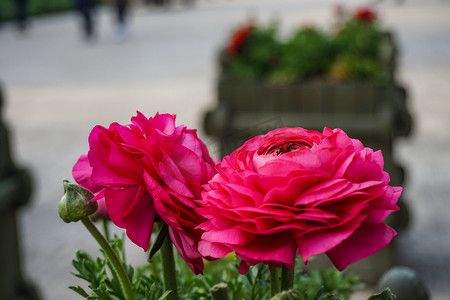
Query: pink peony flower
<point x="147" y="168"/>
<point x="294" y="191"/>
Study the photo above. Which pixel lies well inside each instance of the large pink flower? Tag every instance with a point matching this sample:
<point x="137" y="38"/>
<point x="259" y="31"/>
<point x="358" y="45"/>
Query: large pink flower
<point x="146" y="168"/>
<point x="294" y="191"/>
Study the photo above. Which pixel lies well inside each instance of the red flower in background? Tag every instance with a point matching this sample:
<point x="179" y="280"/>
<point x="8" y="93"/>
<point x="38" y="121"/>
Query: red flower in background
<point x="365" y="14"/>
<point x="238" y="38"/>
<point x="146" y="168"/>
<point x="296" y="191"/>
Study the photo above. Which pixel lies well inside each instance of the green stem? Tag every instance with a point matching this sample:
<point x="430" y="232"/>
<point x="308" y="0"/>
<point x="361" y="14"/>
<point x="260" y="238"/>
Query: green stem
<point x="106" y="229"/>
<point x="287" y="277"/>
<point x="275" y="280"/>
<point x="112" y="256"/>
<point x="168" y="262"/>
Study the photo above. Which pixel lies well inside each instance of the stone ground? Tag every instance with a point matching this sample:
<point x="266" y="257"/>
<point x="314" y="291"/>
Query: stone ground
<point x="58" y="87"/>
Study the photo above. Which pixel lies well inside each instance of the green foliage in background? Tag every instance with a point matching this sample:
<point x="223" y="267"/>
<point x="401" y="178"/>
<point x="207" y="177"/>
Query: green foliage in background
<point x="35" y="7"/>
<point x="326" y="282"/>
<point x="254" y="285"/>
<point x="308" y="53"/>
<point x="354" y="52"/>
<point x="258" y="56"/>
<point x="359" y="38"/>
<point x="354" y="66"/>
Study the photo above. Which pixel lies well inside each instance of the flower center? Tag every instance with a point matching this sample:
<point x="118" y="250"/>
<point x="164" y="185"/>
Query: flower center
<point x="285" y="148"/>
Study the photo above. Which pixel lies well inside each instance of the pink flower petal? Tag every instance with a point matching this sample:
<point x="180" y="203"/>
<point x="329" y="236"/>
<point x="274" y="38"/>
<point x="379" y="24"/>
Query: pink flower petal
<point x="82" y="172"/>
<point x="173" y="177"/>
<point x="188" y="250"/>
<point x="213" y="250"/>
<point x="321" y="240"/>
<point x="365" y="241"/>
<point x="133" y="210"/>
<point x="270" y="249"/>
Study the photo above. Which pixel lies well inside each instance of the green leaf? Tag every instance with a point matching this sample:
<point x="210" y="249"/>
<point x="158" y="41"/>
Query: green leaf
<point x="164" y="296"/>
<point x="102" y="293"/>
<point x="384" y="295"/>
<point x="163" y="232"/>
<point x="79" y="290"/>
<point x="94" y="272"/>
<point x="331" y="297"/>
<point x="319" y="294"/>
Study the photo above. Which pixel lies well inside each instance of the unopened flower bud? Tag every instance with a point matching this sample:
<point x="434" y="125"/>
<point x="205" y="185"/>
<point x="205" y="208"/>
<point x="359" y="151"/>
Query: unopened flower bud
<point x="219" y="291"/>
<point x="75" y="204"/>
<point x="288" y="295"/>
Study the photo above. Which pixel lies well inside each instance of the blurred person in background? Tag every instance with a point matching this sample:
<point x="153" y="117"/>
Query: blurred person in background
<point x="161" y="3"/>
<point x="86" y="8"/>
<point x="21" y="16"/>
<point x="122" y="12"/>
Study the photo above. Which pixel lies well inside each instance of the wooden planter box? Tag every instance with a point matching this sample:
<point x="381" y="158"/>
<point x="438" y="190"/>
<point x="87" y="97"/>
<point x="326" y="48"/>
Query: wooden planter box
<point x="374" y="113"/>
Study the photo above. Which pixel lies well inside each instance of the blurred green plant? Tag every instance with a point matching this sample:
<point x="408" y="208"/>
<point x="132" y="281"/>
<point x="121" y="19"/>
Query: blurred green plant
<point x="359" y="38"/>
<point x="258" y="54"/>
<point x="254" y="285"/>
<point x="353" y="52"/>
<point x="307" y="53"/>
<point x="327" y="282"/>
<point x="354" y="66"/>
<point x="35" y="8"/>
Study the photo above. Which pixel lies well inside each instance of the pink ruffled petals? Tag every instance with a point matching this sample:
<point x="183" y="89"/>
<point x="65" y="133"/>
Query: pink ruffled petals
<point x="384" y="205"/>
<point x="82" y="172"/>
<point x="274" y="250"/>
<point x="132" y="208"/>
<point x="188" y="250"/>
<point x="213" y="250"/>
<point x="173" y="178"/>
<point x="294" y="190"/>
<point x="163" y="203"/>
<point x="110" y="164"/>
<point x="150" y="167"/>
<point x="324" y="190"/>
<point x="245" y="195"/>
<point x="229" y="236"/>
<point x="121" y="201"/>
<point x="323" y="239"/>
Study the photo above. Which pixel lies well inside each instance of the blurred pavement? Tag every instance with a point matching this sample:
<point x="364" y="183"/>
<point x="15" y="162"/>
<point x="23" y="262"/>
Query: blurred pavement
<point x="58" y="87"/>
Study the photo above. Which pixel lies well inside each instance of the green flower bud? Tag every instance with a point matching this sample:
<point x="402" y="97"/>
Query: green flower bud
<point x="219" y="291"/>
<point x="75" y="205"/>
<point x="288" y="295"/>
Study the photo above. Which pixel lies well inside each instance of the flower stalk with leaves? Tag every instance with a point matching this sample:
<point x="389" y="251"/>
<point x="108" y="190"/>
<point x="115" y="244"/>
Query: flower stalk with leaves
<point x="74" y="206"/>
